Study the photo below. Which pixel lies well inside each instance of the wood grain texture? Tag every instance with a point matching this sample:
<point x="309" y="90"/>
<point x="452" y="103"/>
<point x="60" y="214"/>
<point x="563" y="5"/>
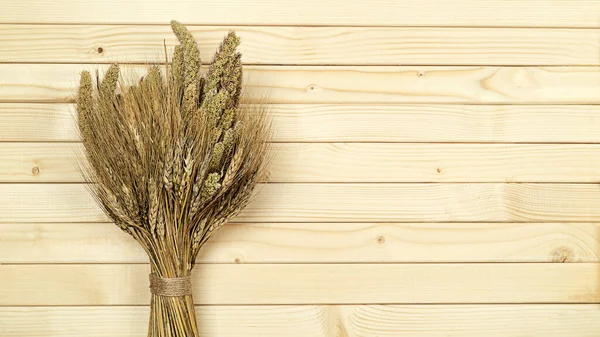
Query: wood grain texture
<point x="427" y="202"/>
<point x="549" y="320"/>
<point x="316" y="243"/>
<point x="564" y="13"/>
<point x="360" y="123"/>
<point x="307" y="45"/>
<point x="435" y="173"/>
<point x="40" y="162"/>
<point x="352" y="162"/>
<point x="122" y="284"/>
<point x="348" y="84"/>
<point x="388" y="162"/>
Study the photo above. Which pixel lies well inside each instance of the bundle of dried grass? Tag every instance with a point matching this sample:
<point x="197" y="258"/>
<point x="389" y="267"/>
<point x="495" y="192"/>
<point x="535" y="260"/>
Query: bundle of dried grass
<point x="170" y="159"/>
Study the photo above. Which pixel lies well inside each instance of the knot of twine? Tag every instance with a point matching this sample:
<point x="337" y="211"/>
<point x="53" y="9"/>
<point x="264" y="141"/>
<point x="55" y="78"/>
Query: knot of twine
<point x="170" y="287"/>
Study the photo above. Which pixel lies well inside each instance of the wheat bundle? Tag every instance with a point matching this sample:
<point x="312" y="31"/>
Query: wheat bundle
<point x="170" y="159"/>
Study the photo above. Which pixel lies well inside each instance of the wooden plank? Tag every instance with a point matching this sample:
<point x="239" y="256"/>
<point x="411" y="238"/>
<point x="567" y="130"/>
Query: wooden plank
<point x="316" y="243"/>
<point x="388" y="162"/>
<point x="37" y="122"/>
<point x="132" y="321"/>
<point x="576" y="320"/>
<point x="361" y="123"/>
<point x="348" y="84"/>
<point x="501" y="13"/>
<point x="40" y="162"/>
<point x="307" y="45"/>
<point x="395" y="202"/>
<point x="355" y="162"/>
<point x="123" y="284"/>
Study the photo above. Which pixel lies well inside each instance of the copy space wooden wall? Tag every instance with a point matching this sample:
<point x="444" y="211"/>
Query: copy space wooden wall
<point x="436" y="172"/>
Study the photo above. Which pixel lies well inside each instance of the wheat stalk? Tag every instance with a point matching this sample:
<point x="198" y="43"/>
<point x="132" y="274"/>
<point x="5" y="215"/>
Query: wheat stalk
<point x="172" y="158"/>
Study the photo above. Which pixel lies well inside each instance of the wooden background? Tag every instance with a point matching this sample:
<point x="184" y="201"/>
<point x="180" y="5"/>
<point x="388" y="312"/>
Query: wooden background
<point x="436" y="173"/>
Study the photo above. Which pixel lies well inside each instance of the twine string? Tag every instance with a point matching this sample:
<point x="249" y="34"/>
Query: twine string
<point x="170" y="287"/>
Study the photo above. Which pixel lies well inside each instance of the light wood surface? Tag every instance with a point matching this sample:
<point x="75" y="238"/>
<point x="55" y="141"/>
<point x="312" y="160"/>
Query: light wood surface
<point x="307" y="45"/>
<point x="549" y="320"/>
<point x="496" y="13"/>
<point x="435" y="174"/>
<point x="48" y="122"/>
<point x="347" y="84"/>
<point x="127" y="284"/>
<point x="302" y="202"/>
<point x="317" y="243"/>
<point x="353" y="162"/>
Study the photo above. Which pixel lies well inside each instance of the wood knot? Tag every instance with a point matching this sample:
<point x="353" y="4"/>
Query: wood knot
<point x="100" y="50"/>
<point x="237" y="260"/>
<point x="421" y="73"/>
<point x="380" y="240"/>
<point x="439" y="170"/>
<point x="563" y="254"/>
<point x="35" y="170"/>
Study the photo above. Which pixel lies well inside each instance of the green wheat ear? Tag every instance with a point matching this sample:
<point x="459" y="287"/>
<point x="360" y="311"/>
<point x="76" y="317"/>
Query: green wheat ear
<point x="191" y="67"/>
